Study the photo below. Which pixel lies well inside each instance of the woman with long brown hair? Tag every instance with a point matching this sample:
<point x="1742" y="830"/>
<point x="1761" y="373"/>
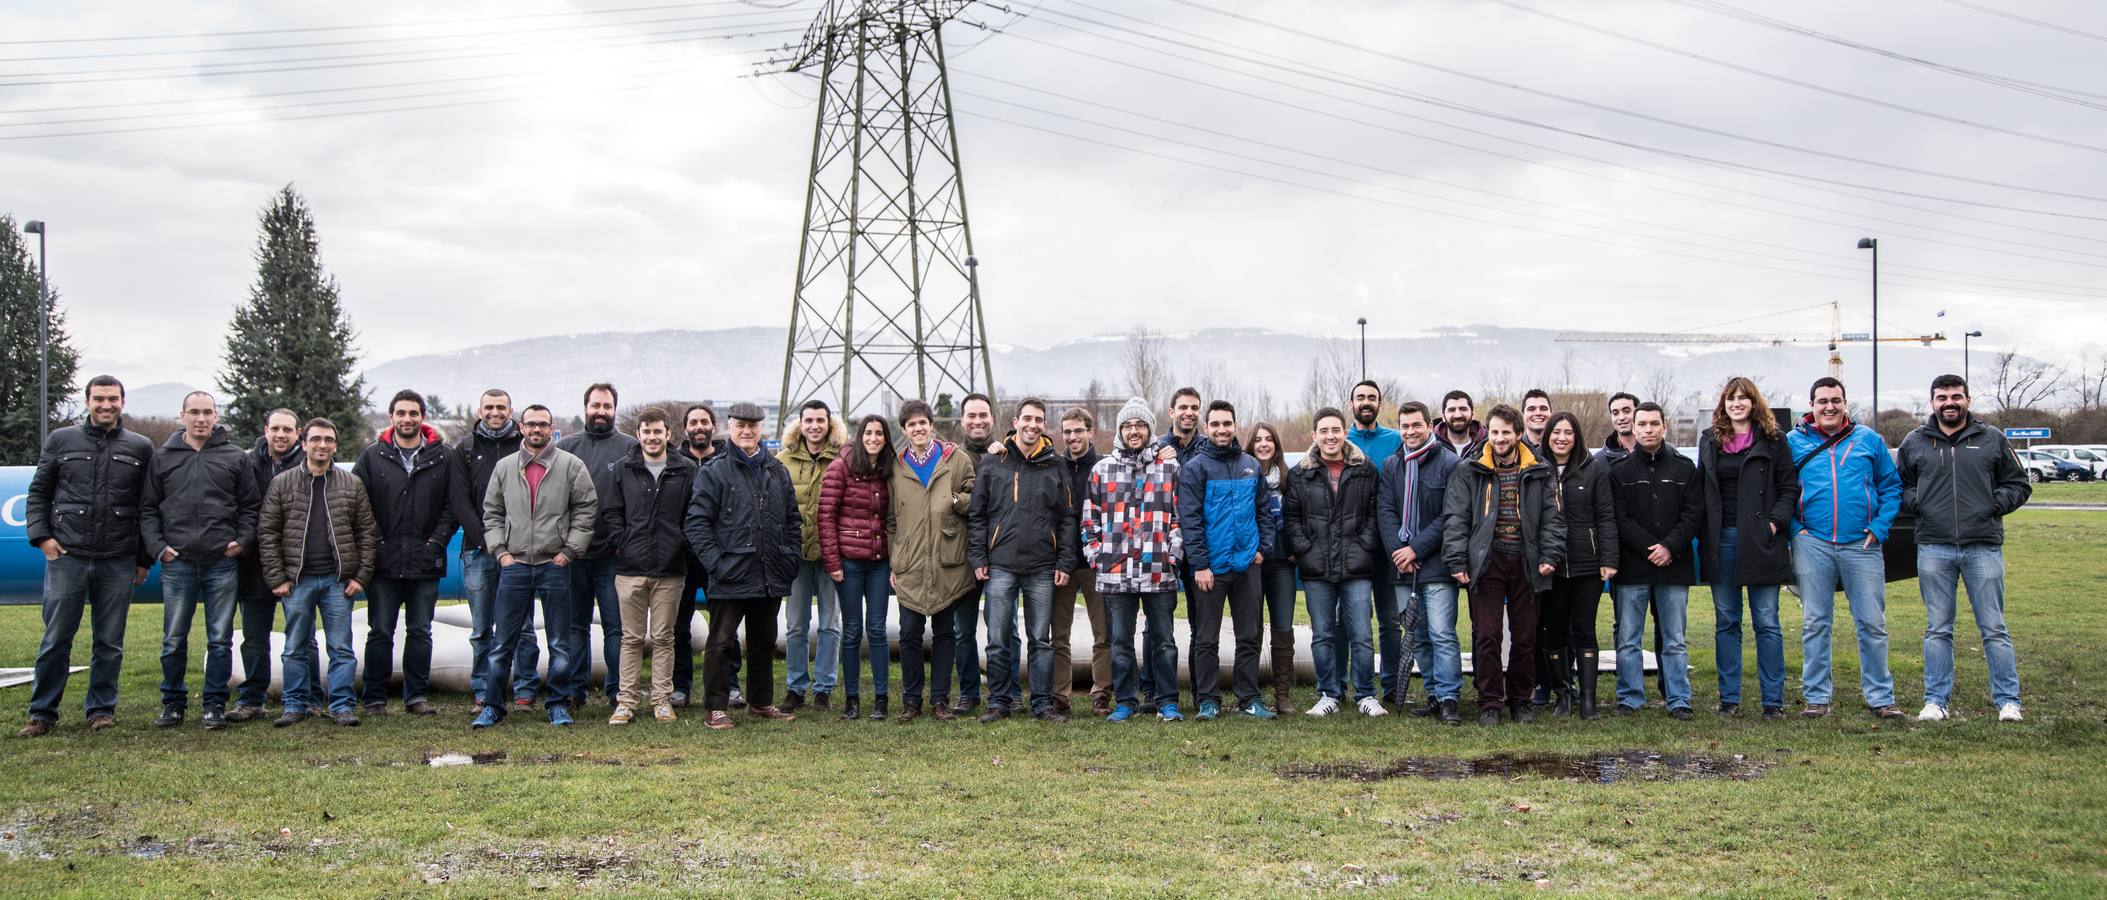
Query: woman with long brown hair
<point x="1750" y="493"/>
<point x="853" y="498"/>
<point x="1277" y="573"/>
<point x="1587" y="500"/>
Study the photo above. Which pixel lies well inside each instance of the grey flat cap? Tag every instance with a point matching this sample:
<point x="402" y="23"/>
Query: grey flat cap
<point x="747" y="412"/>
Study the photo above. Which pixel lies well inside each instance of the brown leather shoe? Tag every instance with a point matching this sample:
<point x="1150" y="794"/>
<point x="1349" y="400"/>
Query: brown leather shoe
<point x="912" y="711"/>
<point x="1061" y="706"/>
<point x="1101" y="705"/>
<point x="244" y="713"/>
<point x="422" y="708"/>
<point x="943" y="713"/>
<point x="101" y="723"/>
<point x="770" y="712"/>
<point x="718" y="721"/>
<point x="1890" y="711"/>
<point x="35" y="728"/>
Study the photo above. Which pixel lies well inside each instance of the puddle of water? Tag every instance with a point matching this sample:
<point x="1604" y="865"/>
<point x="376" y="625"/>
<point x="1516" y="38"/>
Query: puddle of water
<point x="147" y="848"/>
<point x="1599" y="768"/>
<point x="484" y="758"/>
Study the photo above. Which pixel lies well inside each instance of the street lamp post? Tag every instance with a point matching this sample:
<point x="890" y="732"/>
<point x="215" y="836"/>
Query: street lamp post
<point x="1363" y="322"/>
<point x="1874" y="245"/>
<point x="1964" y="351"/>
<point x="36" y="227"/>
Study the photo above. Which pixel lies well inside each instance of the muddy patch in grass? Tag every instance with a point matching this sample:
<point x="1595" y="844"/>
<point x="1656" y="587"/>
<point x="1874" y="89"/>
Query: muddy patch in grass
<point x="1599" y="768"/>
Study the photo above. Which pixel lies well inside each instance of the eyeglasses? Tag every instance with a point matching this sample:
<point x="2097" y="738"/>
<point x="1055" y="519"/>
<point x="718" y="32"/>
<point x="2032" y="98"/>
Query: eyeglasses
<point x="535" y="426"/>
<point x="1838" y="401"/>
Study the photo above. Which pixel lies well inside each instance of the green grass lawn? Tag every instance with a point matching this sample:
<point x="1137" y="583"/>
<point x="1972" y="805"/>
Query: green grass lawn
<point x="2071" y="492"/>
<point x="1842" y="806"/>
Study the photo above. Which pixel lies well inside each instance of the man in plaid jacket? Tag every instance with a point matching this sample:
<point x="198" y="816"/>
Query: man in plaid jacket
<point x="1131" y="542"/>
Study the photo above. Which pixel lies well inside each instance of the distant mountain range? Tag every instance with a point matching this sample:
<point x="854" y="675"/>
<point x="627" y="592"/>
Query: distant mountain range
<point x="747" y="364"/>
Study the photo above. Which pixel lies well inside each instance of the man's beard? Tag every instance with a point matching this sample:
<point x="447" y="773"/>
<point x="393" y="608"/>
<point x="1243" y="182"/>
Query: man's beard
<point x="1365" y="416"/>
<point x="700" y="438"/>
<point x="599" y="424"/>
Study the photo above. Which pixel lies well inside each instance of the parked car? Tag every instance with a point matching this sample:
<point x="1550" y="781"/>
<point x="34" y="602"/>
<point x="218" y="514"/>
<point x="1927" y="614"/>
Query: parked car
<point x="2040" y="466"/>
<point x="2093" y="459"/>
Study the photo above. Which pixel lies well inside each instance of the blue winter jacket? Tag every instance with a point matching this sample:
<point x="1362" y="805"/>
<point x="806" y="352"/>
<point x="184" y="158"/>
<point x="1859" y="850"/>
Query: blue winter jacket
<point x="1223" y="493"/>
<point x="1378" y="443"/>
<point x="1847" y="490"/>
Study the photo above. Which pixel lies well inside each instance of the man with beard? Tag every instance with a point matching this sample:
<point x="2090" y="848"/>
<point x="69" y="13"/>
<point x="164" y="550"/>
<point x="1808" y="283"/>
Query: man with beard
<point x="417" y="499"/>
<point x="1224" y="514"/>
<point x="1504" y="537"/>
<point x="601" y="448"/>
<point x="1021" y="541"/>
<point x="92" y="555"/>
<point x="1378" y="444"/>
<point x="317" y="536"/>
<point x="1849" y="495"/>
<point x="1079" y="439"/>
<point x="699" y="423"/>
<point x="277" y="450"/>
<point x="1961" y="478"/>
<point x="1129" y="525"/>
<point x="537" y="520"/>
<point x="976" y="418"/>
<point x="1458" y="429"/>
<point x="198" y="516"/>
<point x="494" y="437"/>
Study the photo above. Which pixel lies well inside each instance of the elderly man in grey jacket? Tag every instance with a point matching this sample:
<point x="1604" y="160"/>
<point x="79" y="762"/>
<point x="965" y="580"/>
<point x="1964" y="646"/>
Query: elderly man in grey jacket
<point x="537" y="519"/>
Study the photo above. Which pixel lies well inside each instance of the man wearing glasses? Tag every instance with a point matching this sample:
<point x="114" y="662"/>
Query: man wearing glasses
<point x="1849" y="494"/>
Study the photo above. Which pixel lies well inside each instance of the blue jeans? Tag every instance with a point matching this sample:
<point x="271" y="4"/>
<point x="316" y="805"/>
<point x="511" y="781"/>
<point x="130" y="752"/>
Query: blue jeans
<point x="517" y="586"/>
<point x="1669" y="602"/>
<point x="1434" y="635"/>
<point x="592" y="585"/>
<point x="1982" y="567"/>
<point x="965" y="630"/>
<point x="806" y="673"/>
<point x="866" y="590"/>
<point x="183" y="586"/>
<point x="1335" y="605"/>
<point x="1005" y="588"/>
<point x="1821" y="567"/>
<point x="72" y="583"/>
<point x="479" y="582"/>
<point x="1120" y="612"/>
<point x="1389" y="633"/>
<point x="413" y="599"/>
<point x="314" y="594"/>
<point x="1726" y="632"/>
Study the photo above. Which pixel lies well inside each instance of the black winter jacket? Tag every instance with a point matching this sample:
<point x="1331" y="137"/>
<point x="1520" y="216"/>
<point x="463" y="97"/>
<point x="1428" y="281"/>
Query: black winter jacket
<point x="646" y="515"/>
<point x="601" y="453"/>
<point x="474" y="457"/>
<point x="1658" y="502"/>
<point x="744" y="527"/>
<point x="416" y="509"/>
<point x="87" y="492"/>
<point x="1587" y="501"/>
<point x="1429" y="493"/>
<point x="1024" y="515"/>
<point x="1471" y="507"/>
<point x="1961" y="487"/>
<point x="1332" y="533"/>
<point x="1769" y="495"/>
<point x="250" y="569"/>
<point x="198" y="501"/>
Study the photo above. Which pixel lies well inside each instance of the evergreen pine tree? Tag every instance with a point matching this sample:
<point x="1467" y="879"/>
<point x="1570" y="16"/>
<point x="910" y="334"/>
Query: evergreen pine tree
<point x="18" y="351"/>
<point x="290" y="344"/>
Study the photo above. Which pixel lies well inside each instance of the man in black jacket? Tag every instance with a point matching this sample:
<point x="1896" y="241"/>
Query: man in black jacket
<point x="198" y="515"/>
<point x="494" y="437"/>
<point x="601" y="448"/>
<point x="1659" y="510"/>
<point x="1079" y="439"/>
<point x="699" y="423"/>
<point x="277" y="450"/>
<point x="83" y="513"/>
<point x="418" y="497"/>
<point x="1328" y="507"/>
<point x="645" y="515"/>
<point x="743" y="525"/>
<point x="1961" y="478"/>
<point x="1021" y="540"/>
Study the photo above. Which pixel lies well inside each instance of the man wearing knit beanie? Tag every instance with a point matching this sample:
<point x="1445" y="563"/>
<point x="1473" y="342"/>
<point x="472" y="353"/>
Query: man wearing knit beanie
<point x="1132" y="544"/>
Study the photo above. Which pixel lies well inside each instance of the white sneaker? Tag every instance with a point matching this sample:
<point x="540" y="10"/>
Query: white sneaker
<point x="1372" y="707"/>
<point x="1932" y="712"/>
<point x="2008" y="713"/>
<point x="1326" y="705"/>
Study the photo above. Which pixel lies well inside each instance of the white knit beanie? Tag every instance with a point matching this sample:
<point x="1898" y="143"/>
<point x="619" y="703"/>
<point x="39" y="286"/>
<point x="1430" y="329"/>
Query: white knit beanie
<point x="1136" y="408"/>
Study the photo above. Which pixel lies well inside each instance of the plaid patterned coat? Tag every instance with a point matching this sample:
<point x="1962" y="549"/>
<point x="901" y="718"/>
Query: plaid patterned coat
<point x="1130" y="523"/>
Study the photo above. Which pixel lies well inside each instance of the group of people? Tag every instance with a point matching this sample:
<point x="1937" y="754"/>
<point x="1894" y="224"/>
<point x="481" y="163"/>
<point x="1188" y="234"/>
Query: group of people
<point x="1515" y="511"/>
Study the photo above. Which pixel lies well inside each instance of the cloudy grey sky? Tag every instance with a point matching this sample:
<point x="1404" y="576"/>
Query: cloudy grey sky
<point x="634" y="177"/>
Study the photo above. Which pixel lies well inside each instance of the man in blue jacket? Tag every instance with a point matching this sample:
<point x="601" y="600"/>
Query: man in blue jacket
<point x="1849" y="494"/>
<point x="1222" y="511"/>
<point x="1379" y="444"/>
<point x="1408" y="511"/>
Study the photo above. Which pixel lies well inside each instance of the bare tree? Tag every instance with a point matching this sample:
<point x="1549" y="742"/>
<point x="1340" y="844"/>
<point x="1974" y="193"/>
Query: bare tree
<point x="1148" y="368"/>
<point x="1497" y="386"/>
<point x="2090" y="385"/>
<point x="1568" y="366"/>
<point x="1333" y="371"/>
<point x="2021" y="383"/>
<point x="1662" y="387"/>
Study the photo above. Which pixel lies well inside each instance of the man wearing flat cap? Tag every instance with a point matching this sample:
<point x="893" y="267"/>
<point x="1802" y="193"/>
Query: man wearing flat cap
<point x="744" y="527"/>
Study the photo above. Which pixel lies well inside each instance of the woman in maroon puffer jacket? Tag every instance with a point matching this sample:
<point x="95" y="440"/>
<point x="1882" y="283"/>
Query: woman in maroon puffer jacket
<point x="852" y="504"/>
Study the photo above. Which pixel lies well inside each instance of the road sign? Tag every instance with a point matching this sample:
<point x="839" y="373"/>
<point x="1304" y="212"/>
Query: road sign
<point x="2027" y="434"/>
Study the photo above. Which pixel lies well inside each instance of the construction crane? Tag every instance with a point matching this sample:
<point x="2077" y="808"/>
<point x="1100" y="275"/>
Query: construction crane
<point x="1835" y="338"/>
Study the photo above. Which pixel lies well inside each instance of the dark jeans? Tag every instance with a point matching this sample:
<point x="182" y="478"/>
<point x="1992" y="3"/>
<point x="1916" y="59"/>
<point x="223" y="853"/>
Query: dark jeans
<point x="684" y="642"/>
<point x="259" y="620"/>
<point x="1005" y="591"/>
<point x="942" y="647"/>
<point x="1568" y="613"/>
<point x="517" y="587"/>
<point x="965" y="626"/>
<point x="1389" y="630"/>
<point x="1278" y="580"/>
<point x="413" y="599"/>
<point x="185" y="585"/>
<point x="726" y="615"/>
<point x="865" y="593"/>
<point x="592" y="584"/>
<point x="1120" y="613"/>
<point x="1242" y="593"/>
<point x="479" y="581"/>
<point x="1501" y="596"/>
<point x="72" y="582"/>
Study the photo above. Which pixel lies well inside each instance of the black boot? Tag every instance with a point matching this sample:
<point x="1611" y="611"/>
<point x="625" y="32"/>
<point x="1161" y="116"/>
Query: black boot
<point x="1561" y="684"/>
<point x="878" y="710"/>
<point x="1589" y="659"/>
<point x="852" y="707"/>
<point x="1541" y="696"/>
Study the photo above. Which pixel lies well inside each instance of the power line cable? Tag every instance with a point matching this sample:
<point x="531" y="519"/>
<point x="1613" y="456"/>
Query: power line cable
<point x="2034" y="22"/>
<point x="313" y="29"/>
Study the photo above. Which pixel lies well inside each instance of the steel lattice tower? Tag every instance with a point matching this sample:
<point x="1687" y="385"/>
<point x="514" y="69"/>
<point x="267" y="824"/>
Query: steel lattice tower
<point x="886" y="305"/>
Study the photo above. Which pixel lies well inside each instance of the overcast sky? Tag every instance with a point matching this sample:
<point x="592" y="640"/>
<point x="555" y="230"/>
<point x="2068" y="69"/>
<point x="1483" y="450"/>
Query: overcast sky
<point x="638" y="178"/>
